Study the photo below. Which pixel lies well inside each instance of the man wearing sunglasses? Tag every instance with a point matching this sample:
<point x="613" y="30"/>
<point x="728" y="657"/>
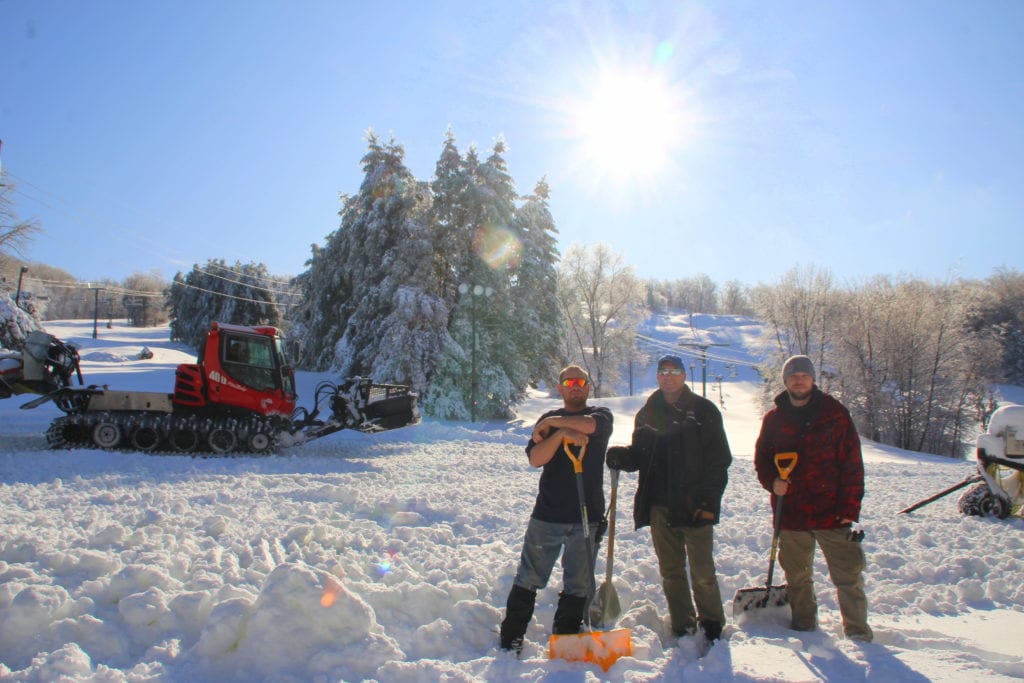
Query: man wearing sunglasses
<point x="681" y="451"/>
<point x="555" y="525"/>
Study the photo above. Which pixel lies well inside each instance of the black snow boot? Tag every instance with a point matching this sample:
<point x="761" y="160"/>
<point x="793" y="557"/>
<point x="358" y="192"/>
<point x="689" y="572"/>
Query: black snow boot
<point x="518" y="612"/>
<point x="712" y="630"/>
<point x="569" y="614"/>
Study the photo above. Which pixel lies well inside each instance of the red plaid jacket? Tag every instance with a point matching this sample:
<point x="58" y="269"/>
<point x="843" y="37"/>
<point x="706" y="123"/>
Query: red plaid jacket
<point x="827" y="484"/>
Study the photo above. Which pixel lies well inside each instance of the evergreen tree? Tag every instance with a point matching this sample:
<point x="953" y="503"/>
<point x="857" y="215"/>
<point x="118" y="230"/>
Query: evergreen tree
<point x="397" y="331"/>
<point x="318" y="321"/>
<point x="452" y="234"/>
<point x="237" y="295"/>
<point x="373" y="305"/>
<point x="448" y="394"/>
<point x="480" y="203"/>
<point x="436" y="287"/>
<point x="15" y="323"/>
<point x="535" y="287"/>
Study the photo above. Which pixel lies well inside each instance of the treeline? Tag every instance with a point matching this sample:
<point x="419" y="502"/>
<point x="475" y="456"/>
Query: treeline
<point x="913" y="360"/>
<point x="455" y="286"/>
<point x="51" y="293"/>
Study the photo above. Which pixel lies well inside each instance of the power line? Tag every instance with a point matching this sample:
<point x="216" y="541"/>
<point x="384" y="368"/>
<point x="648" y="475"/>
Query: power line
<point x="255" y="277"/>
<point x="263" y="302"/>
<point x="133" y="292"/>
<point x="247" y="284"/>
<point x="58" y="203"/>
<point x="60" y="284"/>
<point x="135" y="235"/>
<point x="674" y="348"/>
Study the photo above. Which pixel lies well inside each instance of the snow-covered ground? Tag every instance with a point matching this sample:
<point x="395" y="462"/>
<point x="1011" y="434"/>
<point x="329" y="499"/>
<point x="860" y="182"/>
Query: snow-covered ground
<point x="389" y="557"/>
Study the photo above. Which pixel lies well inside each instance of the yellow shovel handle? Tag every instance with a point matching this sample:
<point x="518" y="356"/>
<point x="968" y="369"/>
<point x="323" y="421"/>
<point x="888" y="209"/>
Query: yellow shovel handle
<point x="785" y="462"/>
<point x="577" y="461"/>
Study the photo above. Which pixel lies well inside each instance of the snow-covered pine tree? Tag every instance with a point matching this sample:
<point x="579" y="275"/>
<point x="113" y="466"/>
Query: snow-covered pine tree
<point x="535" y="286"/>
<point x="400" y="327"/>
<point x="318" y="322"/>
<point x="371" y="306"/>
<point x="452" y="233"/>
<point x="483" y="325"/>
<point x="447" y="396"/>
<point x="238" y="295"/>
<point x="15" y="324"/>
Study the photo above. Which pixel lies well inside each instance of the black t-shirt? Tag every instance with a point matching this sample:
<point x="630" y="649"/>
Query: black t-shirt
<point x="557" y="498"/>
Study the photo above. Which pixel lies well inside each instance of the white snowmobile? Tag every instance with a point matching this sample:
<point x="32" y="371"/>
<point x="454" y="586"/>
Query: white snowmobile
<point x="46" y="364"/>
<point x="1000" y="467"/>
<point x="998" y="489"/>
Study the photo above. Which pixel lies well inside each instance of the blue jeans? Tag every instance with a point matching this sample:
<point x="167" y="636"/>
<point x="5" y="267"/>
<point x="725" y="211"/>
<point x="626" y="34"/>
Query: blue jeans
<point x="541" y="546"/>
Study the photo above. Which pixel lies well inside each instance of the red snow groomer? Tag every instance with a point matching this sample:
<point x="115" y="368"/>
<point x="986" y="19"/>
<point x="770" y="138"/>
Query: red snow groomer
<point x="238" y="397"/>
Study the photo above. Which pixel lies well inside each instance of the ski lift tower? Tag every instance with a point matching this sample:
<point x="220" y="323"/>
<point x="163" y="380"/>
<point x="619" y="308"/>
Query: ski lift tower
<point x="703" y="363"/>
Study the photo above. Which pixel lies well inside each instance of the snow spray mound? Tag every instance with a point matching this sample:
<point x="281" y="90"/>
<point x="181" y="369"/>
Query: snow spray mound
<point x="304" y="621"/>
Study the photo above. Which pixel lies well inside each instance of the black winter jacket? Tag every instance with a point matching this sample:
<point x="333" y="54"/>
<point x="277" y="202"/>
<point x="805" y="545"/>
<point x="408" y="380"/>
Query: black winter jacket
<point x="692" y="438"/>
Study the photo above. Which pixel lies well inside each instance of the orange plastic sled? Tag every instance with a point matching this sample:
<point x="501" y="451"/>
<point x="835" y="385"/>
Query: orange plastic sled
<point x="600" y="647"/>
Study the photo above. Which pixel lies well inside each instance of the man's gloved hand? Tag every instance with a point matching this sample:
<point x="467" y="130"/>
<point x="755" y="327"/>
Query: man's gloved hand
<point x="617" y="457"/>
<point x="643" y="440"/>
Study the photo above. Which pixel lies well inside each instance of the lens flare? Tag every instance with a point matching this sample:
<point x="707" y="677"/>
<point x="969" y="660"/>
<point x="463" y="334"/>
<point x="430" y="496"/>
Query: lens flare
<point x="385" y="566"/>
<point x="663" y="53"/>
<point x="330" y="594"/>
<point x="497" y="247"/>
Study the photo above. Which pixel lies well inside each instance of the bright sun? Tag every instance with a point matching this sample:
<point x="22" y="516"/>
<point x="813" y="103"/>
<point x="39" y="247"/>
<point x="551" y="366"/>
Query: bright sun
<point x="629" y="127"/>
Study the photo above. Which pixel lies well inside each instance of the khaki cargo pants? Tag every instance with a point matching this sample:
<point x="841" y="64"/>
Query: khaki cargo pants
<point x="845" y="560"/>
<point x="675" y="547"/>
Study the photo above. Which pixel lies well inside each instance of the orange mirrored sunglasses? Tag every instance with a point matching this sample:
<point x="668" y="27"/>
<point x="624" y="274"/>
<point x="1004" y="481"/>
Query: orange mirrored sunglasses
<point x="574" y="382"/>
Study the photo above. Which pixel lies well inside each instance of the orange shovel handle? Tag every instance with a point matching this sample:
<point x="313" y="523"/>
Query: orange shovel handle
<point x="784" y="463"/>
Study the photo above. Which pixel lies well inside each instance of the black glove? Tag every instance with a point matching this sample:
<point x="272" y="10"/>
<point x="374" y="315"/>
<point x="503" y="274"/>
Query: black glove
<point x="643" y="440"/>
<point x="617" y="457"/>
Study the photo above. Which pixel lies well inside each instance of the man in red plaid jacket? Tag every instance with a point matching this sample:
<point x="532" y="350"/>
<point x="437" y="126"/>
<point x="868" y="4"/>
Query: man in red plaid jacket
<point x="822" y="496"/>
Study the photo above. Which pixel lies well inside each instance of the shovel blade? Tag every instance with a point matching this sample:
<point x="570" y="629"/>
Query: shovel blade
<point x="748" y="599"/>
<point x="605" y="608"/>
<point x="600" y="647"/>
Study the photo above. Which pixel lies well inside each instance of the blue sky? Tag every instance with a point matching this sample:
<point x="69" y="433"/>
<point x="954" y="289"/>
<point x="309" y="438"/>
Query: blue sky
<point x="736" y="139"/>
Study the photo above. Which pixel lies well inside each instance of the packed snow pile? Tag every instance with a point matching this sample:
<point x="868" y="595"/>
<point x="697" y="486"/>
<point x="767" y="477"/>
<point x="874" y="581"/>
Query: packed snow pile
<point x="389" y="557"/>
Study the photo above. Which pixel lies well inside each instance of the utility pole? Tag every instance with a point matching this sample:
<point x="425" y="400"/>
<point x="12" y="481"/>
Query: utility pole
<point x="703" y="363"/>
<point x="96" y="312"/>
<point x="475" y="291"/>
<point x="17" y="297"/>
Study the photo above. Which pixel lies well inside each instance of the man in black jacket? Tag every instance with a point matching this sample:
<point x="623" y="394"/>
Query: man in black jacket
<point x="681" y="451"/>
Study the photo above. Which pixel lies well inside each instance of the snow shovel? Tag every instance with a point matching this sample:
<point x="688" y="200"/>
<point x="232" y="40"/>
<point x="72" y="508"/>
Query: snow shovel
<point x="601" y="647"/>
<point x="747" y="599"/>
<point x="605" y="608"/>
